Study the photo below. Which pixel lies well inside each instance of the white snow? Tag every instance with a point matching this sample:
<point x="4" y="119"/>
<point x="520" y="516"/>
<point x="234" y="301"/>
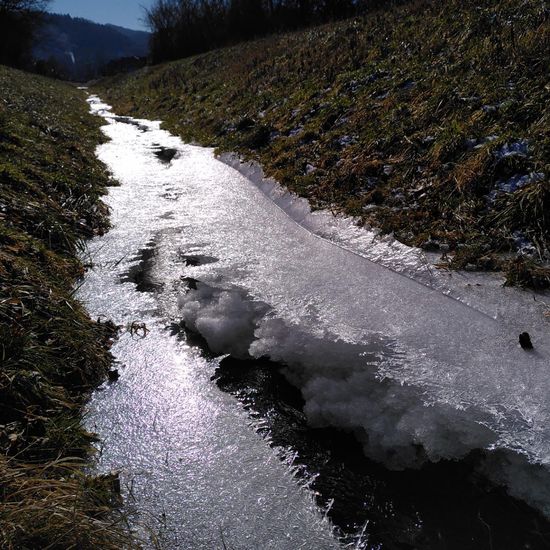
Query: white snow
<point x="515" y="149"/>
<point x="514" y="183"/>
<point x="518" y="181"/>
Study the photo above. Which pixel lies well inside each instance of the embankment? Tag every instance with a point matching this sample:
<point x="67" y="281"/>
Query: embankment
<point x="428" y="120"/>
<point x="51" y="353"/>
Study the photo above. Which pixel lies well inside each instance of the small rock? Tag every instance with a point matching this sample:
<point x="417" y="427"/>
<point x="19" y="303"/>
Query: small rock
<point x="431" y="245"/>
<point x="244" y="124"/>
<point x="113" y="375"/>
<point x="295" y="131"/>
<point x="407" y="84"/>
<point x="525" y="341"/>
<point x="381" y="95"/>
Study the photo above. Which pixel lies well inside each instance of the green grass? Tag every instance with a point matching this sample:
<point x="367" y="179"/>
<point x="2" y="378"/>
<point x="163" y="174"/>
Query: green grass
<point x="51" y="353"/>
<point x="429" y="93"/>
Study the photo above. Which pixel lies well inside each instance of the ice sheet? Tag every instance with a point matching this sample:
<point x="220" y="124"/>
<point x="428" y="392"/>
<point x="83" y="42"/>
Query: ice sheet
<point x="416" y="365"/>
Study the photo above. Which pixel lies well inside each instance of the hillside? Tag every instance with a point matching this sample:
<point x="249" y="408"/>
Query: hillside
<point x="81" y="47"/>
<point x="428" y="120"/>
<point x="51" y="352"/>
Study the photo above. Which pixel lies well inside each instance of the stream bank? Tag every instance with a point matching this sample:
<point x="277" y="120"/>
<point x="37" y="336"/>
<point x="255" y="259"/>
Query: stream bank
<point x="51" y="353"/>
<point x="422" y="119"/>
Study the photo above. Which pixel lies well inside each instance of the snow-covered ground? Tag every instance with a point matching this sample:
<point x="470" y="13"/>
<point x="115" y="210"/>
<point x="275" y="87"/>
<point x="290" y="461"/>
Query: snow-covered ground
<point x="419" y="364"/>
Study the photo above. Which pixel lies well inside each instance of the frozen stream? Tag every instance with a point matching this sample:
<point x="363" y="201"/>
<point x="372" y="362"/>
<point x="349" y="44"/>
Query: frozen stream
<point x="198" y="471"/>
<point x="415" y="374"/>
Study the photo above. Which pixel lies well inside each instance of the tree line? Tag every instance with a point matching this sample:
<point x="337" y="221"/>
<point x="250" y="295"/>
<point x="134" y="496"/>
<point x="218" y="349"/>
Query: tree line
<point x="19" y="20"/>
<point x="181" y="27"/>
<point x="185" y="27"/>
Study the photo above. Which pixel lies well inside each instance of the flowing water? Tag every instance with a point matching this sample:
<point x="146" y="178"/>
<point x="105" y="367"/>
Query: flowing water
<point x="416" y="372"/>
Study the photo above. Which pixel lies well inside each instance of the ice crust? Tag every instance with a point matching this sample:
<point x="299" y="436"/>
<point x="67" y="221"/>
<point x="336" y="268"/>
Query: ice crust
<point x="419" y="366"/>
<point x="194" y="472"/>
<point x="338" y="379"/>
<point x="339" y="229"/>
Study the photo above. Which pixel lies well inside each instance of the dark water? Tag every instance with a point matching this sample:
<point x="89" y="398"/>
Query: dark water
<point x="446" y="506"/>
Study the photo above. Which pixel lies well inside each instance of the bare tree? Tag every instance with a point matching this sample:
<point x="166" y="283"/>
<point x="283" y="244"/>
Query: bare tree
<point x="23" y="5"/>
<point x="162" y="19"/>
<point x="19" y="20"/>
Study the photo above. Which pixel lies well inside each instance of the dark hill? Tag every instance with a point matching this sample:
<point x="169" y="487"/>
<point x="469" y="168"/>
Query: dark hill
<point x="80" y="48"/>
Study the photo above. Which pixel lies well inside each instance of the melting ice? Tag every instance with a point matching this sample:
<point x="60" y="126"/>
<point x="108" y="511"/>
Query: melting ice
<point x="414" y="363"/>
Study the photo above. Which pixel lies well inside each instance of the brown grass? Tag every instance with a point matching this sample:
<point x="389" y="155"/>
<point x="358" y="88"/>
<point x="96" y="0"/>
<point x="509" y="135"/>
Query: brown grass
<point x="56" y="506"/>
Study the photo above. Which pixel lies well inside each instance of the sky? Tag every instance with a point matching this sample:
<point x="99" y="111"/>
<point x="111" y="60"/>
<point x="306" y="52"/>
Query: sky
<point x="126" y="13"/>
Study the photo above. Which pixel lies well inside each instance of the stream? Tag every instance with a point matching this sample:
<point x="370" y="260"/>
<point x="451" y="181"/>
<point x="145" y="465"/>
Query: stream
<point x="231" y="296"/>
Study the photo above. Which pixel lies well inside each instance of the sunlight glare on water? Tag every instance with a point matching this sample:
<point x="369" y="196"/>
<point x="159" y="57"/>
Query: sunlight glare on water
<point x="194" y="470"/>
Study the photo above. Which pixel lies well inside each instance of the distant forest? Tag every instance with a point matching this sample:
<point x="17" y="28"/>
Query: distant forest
<point x="185" y="27"/>
<point x="65" y="47"/>
<point x="78" y="49"/>
<point x="19" y="20"/>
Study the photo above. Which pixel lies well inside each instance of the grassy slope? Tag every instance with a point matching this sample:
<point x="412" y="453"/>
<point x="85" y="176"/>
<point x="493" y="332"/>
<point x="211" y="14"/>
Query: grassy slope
<point x="400" y="118"/>
<point x="51" y="353"/>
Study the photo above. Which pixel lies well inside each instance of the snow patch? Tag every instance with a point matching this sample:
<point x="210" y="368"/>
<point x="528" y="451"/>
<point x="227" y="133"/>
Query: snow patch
<point x="516" y="149"/>
<point x="514" y="183"/>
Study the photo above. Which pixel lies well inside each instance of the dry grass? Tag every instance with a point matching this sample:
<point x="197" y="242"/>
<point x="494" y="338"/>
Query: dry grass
<point x="51" y="353"/>
<point x="56" y="506"/>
